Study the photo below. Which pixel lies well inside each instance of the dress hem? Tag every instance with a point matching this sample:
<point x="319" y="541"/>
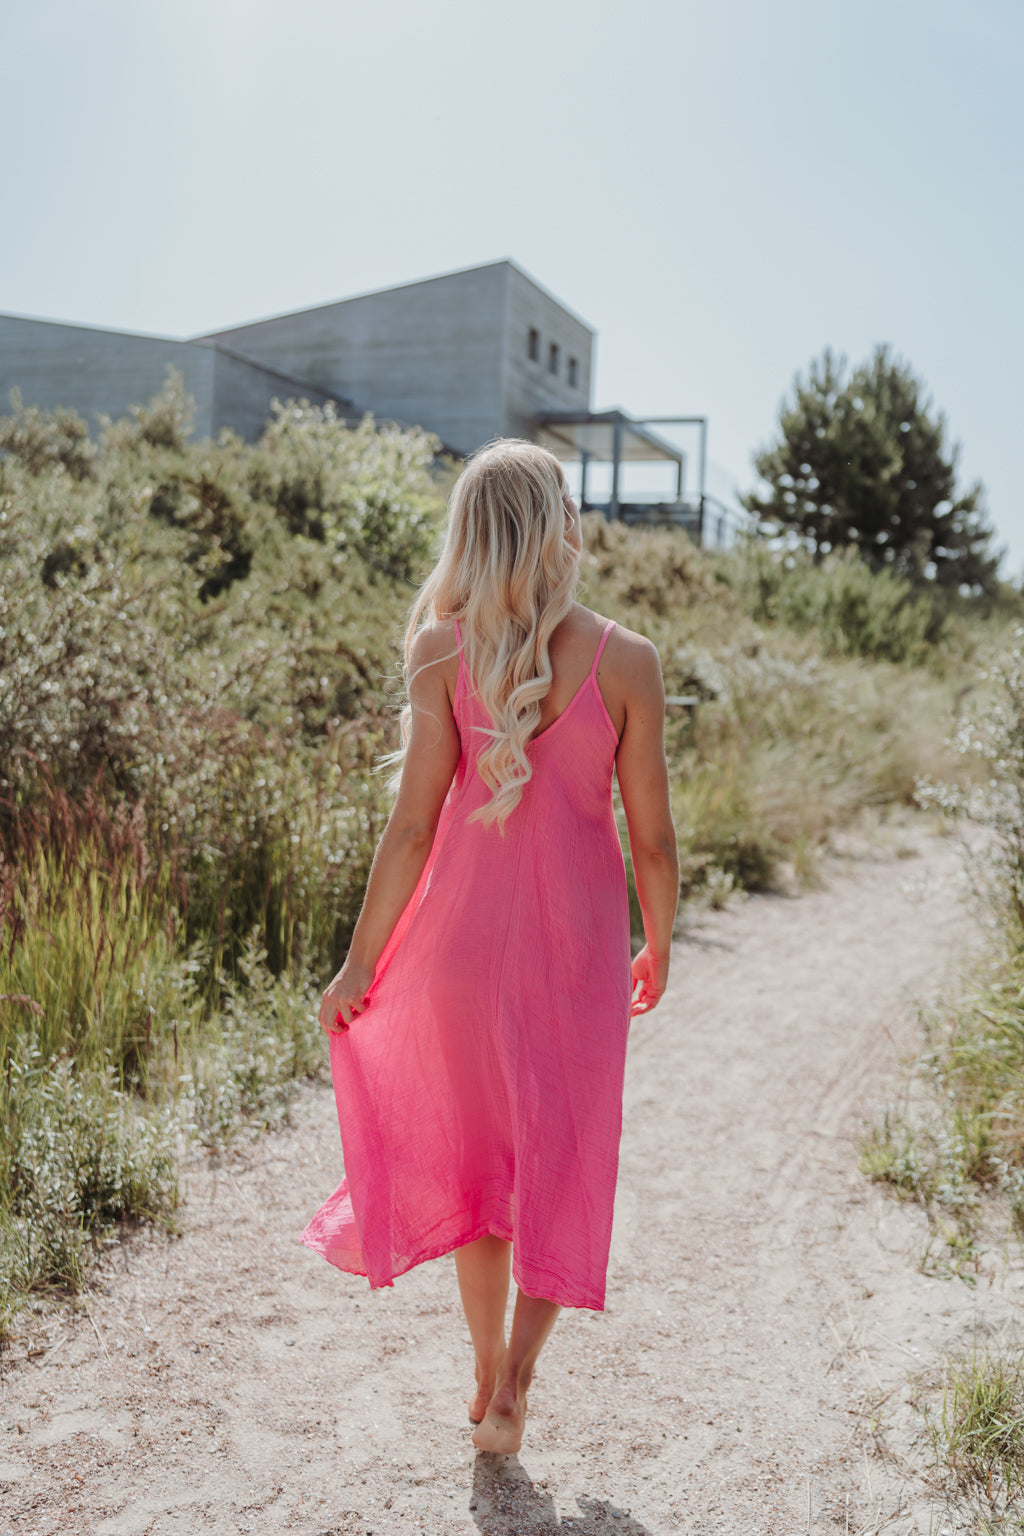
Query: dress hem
<point x="563" y="1298"/>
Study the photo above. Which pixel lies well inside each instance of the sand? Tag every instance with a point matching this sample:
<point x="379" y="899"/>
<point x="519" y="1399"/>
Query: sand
<point x="771" y="1316"/>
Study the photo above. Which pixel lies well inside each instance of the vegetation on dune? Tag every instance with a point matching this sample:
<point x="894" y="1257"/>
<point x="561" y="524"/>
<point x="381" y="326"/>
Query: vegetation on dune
<point x="969" y="1138"/>
<point x="977" y="1435"/>
<point x="815" y="704"/>
<point x="199" y="660"/>
<point x="879" y="549"/>
<point x="957" y="1146"/>
<point x="196" y="664"/>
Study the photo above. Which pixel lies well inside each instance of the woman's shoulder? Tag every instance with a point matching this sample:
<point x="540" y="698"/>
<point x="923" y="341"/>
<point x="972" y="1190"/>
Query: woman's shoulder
<point x="436" y="644"/>
<point x="623" y="645"/>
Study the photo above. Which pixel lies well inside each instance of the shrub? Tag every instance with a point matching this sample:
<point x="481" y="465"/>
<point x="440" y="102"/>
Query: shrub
<point x="76" y="1156"/>
<point x="366" y="489"/>
<point x="42" y="441"/>
<point x="165" y="422"/>
<point x="853" y="611"/>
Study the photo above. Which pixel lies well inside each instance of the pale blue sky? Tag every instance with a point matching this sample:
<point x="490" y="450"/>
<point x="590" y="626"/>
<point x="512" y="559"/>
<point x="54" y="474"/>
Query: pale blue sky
<point x="719" y="187"/>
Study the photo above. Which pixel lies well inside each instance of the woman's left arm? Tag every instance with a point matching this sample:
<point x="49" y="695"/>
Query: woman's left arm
<point x="431" y="759"/>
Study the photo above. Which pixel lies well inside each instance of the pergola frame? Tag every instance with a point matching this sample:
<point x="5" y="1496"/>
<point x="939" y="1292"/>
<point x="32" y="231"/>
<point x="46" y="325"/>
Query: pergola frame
<point x="614" y="437"/>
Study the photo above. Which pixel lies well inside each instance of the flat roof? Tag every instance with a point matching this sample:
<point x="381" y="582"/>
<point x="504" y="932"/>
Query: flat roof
<point x="571" y="434"/>
<point x="413" y="282"/>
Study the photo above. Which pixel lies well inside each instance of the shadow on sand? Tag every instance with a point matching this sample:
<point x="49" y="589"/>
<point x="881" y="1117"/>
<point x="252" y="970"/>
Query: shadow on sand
<point x="505" y="1502"/>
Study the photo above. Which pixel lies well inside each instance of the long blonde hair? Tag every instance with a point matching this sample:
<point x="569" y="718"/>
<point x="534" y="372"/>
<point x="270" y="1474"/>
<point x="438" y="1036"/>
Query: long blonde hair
<point x="507" y="573"/>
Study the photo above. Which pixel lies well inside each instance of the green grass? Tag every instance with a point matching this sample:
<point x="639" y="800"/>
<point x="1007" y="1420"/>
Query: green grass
<point x="114" y="1059"/>
<point x="964" y="1157"/>
<point x="978" y="1435"/>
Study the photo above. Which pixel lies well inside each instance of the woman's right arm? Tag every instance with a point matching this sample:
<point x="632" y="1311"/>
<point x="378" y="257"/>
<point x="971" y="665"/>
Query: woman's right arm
<point x="431" y="759"/>
<point x="643" y="784"/>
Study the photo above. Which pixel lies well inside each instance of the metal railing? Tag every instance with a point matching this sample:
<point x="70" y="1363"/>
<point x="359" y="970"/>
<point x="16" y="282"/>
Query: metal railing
<point x="711" y="523"/>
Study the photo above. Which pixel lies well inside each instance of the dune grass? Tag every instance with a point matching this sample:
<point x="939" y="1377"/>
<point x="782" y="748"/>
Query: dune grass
<point x="977" y="1434"/>
<point x="967" y="1137"/>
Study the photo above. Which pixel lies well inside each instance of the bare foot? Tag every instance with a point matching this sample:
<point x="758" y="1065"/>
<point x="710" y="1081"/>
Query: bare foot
<point x="502" y="1428"/>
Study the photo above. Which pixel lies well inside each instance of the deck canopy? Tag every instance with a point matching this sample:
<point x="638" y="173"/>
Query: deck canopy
<point x="602" y="437"/>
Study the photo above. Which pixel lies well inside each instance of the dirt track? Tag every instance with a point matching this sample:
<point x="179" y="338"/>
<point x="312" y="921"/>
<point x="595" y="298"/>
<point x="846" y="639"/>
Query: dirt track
<point x="751" y="1376"/>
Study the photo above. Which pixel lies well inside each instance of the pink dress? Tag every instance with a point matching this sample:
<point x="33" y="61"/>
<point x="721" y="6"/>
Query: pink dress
<point x="481" y="1090"/>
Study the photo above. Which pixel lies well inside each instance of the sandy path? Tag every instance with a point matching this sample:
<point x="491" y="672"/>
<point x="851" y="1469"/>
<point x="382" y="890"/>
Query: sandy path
<point x="763" y="1301"/>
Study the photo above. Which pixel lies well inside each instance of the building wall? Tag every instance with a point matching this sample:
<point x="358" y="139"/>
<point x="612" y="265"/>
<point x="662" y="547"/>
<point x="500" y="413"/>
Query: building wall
<point x="427" y="354"/>
<point x="97" y="372"/>
<point x="243" y="393"/>
<point x="530" y="385"/>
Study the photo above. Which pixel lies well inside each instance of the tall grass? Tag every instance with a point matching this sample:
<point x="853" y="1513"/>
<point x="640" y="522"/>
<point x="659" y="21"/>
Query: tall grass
<point x="978" y="1434"/>
<point x="88" y="929"/>
<point x="975" y="1053"/>
<point x="114" y="1055"/>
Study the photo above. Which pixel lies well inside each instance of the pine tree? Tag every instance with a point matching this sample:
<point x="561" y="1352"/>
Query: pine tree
<point x="864" y="461"/>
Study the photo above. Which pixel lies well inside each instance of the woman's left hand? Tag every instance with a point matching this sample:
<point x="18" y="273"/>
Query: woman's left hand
<point x="345" y="998"/>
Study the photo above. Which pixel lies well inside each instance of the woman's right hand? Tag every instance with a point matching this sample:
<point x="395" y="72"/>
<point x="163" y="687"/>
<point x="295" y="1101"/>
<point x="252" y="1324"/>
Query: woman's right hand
<point x="345" y="998"/>
<point x="650" y="978"/>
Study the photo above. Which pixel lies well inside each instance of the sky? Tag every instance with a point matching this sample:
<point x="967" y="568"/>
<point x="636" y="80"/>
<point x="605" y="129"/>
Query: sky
<point x="720" y="188"/>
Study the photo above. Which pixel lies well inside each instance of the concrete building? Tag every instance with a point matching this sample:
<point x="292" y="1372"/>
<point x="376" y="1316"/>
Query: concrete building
<point x="470" y="356"/>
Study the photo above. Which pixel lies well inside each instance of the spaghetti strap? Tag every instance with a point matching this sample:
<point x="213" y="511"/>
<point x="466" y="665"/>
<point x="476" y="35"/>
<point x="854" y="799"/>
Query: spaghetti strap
<point x="601" y="645"/>
<point x="461" y="680"/>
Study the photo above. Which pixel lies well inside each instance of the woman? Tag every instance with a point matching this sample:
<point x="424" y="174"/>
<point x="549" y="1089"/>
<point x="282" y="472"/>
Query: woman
<point x="478" y="1026"/>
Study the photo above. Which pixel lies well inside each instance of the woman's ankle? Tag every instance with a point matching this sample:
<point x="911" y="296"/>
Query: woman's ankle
<point x="488" y="1370"/>
<point x="513" y="1382"/>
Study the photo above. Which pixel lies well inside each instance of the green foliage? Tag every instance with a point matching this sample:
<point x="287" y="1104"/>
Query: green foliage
<point x="77" y="1148"/>
<point x="971" y="1140"/>
<point x="862" y="461"/>
<point x="42" y="441"/>
<point x="852" y="610"/>
<point x="366" y="490"/>
<point x="239" y="1075"/>
<point x="979" y="1437"/>
<point x="165" y="422"/>
<point x="77" y="1155"/>
<point x="89" y="958"/>
<point x="163" y="637"/>
<point x="651" y="574"/>
<point x="786" y="744"/>
<point x="192" y="697"/>
<point x="891" y="1153"/>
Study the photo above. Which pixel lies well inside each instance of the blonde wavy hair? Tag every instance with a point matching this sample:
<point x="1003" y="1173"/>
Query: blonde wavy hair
<point x="507" y="573"/>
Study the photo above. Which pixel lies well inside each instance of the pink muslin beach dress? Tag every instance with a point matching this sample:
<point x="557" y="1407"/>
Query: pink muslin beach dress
<point x="481" y="1090"/>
